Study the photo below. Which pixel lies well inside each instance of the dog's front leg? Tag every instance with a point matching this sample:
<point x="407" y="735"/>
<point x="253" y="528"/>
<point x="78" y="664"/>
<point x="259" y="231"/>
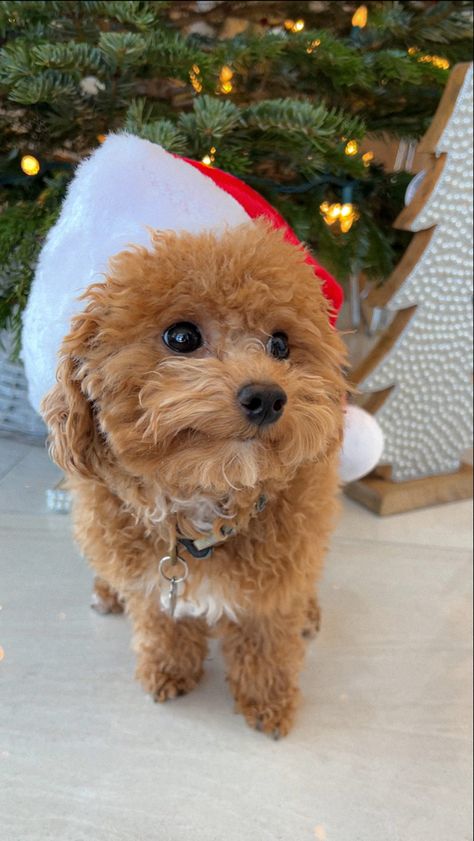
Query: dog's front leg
<point x="170" y="653"/>
<point x="264" y="657"/>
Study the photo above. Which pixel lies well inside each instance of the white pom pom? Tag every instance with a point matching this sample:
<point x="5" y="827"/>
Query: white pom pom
<point x="362" y="446"/>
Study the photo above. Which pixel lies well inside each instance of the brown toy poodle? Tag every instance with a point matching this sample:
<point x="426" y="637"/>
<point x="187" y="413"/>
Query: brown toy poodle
<point x="198" y="415"/>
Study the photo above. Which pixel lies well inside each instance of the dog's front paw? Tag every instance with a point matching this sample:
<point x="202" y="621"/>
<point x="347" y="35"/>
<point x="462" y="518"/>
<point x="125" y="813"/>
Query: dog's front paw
<point x="105" y="600"/>
<point x="162" y="686"/>
<point x="273" y="717"/>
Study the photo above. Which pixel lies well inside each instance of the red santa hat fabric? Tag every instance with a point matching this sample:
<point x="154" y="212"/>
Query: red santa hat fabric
<point x="255" y="205"/>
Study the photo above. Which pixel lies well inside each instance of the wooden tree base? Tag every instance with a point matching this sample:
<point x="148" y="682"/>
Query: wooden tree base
<point x="386" y="497"/>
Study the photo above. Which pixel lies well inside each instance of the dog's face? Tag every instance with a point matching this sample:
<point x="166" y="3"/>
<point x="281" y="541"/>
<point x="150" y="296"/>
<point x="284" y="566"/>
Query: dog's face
<point x="204" y="364"/>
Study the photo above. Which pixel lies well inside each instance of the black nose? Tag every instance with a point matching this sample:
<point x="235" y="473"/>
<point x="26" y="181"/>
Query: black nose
<point x="262" y="403"/>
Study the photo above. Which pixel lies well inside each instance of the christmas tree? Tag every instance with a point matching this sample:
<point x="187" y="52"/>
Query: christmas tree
<point x="279" y="94"/>
<point x="421" y="368"/>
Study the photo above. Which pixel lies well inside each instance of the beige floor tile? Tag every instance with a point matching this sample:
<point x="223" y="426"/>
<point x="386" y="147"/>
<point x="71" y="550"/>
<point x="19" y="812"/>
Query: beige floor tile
<point x="23" y="488"/>
<point x="11" y="452"/>
<point x="441" y="525"/>
<point x="380" y="751"/>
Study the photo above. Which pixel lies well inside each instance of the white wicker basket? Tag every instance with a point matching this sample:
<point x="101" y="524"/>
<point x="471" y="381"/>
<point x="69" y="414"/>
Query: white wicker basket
<point x="16" y="415"/>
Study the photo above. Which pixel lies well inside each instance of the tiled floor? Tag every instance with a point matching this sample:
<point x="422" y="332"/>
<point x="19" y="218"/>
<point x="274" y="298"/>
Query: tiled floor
<point x="381" y="747"/>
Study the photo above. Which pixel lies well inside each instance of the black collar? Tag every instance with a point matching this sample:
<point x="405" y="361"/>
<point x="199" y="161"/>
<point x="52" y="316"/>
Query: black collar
<point x="190" y="545"/>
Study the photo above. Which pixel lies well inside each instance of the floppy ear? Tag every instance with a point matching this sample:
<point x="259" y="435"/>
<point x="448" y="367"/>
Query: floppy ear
<point x="75" y="442"/>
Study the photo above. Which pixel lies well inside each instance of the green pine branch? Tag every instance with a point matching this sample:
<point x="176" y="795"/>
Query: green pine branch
<point x="295" y="100"/>
<point x="23" y="229"/>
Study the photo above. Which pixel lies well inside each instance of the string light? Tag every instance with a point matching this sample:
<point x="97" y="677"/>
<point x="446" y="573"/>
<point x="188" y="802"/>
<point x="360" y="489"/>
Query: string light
<point x="225" y="76"/>
<point x="209" y="159"/>
<point x="436" y="60"/>
<point x="30" y="165"/>
<point x="351" y="148"/>
<point x="347" y="217"/>
<point x="101" y="138"/>
<point x="294" y="25"/>
<point x="345" y="214"/>
<point x="367" y="157"/>
<point x="194" y="74"/>
<point x="333" y="213"/>
<point x="226" y="73"/>
<point x="359" y="18"/>
<point x="313" y="45"/>
<point x="347" y="223"/>
<point x="440" y="62"/>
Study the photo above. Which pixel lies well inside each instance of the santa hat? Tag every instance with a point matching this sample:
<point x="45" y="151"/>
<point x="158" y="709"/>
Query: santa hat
<point x="127" y="186"/>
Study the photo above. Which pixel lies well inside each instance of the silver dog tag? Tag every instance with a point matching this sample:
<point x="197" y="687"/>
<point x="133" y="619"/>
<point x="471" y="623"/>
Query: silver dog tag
<point x="172" y="596"/>
<point x="171" y="561"/>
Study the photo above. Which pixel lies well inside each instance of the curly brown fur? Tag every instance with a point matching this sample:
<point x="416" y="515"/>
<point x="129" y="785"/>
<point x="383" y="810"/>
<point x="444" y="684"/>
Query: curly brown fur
<point x="152" y="439"/>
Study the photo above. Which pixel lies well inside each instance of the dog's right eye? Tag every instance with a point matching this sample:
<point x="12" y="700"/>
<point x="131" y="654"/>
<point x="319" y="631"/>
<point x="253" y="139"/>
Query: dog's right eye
<point x="182" y="337"/>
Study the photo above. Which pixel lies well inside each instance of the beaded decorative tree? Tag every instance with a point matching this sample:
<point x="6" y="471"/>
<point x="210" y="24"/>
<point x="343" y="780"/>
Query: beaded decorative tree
<point x="419" y="373"/>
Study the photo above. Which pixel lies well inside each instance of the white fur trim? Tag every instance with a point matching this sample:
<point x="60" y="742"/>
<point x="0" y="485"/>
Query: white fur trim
<point x="363" y="444"/>
<point x="126" y="185"/>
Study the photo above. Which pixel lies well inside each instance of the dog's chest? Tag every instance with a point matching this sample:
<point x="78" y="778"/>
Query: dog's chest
<point x="205" y="597"/>
<point x="204" y="601"/>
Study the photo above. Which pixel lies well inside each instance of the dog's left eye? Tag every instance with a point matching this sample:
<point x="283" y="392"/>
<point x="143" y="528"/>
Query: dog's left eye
<point x="278" y="347"/>
<point x="182" y="337"/>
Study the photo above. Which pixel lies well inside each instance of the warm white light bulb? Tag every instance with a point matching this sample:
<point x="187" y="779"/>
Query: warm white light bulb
<point x="30" y="165"/>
